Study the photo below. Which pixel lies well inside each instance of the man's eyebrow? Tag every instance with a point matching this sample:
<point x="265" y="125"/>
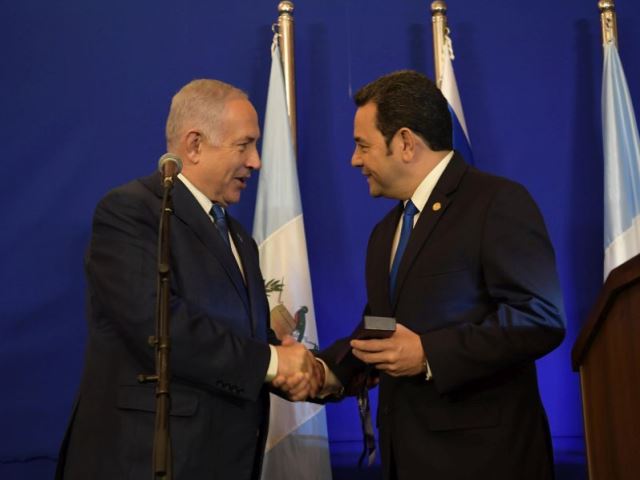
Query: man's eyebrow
<point x="247" y="138"/>
<point x="359" y="140"/>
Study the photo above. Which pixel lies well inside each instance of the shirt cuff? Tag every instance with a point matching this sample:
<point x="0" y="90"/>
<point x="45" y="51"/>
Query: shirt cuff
<point x="427" y="376"/>
<point x="272" y="371"/>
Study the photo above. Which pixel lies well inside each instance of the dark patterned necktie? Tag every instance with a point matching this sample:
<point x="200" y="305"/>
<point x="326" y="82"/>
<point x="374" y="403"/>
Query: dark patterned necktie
<point x="220" y="220"/>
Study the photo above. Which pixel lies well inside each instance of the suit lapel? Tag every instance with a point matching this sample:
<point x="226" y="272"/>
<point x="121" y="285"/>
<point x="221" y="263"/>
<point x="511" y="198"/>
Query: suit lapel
<point x="253" y="277"/>
<point x="439" y="200"/>
<point x="189" y="211"/>
<point x="380" y="260"/>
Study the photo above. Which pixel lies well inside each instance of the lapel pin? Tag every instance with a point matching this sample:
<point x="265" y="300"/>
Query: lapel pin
<point x="436" y="206"/>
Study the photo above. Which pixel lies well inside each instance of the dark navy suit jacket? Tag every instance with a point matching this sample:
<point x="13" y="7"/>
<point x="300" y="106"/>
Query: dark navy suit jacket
<point x="478" y="283"/>
<point x="219" y="350"/>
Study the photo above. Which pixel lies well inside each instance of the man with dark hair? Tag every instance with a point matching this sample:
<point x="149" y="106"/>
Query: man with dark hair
<point x="222" y="361"/>
<point x="465" y="265"/>
<point x="409" y="99"/>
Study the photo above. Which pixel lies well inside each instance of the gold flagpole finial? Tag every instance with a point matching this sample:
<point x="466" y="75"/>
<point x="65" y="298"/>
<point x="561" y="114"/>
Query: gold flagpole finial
<point x="285" y="30"/>
<point x="285" y="7"/>
<point x="438" y="6"/>
<point x="439" y="26"/>
<point x="608" y="21"/>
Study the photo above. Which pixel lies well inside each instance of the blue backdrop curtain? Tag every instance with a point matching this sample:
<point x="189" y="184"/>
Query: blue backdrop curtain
<point x="85" y="92"/>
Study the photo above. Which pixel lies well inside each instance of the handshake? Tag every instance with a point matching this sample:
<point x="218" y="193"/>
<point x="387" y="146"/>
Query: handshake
<point x="300" y="375"/>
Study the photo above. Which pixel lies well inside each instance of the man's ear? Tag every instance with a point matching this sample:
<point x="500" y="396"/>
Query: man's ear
<point x="408" y="144"/>
<point x="193" y="144"/>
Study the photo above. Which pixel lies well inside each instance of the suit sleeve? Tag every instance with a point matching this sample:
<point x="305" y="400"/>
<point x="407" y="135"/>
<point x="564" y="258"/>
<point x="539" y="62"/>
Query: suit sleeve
<point x="344" y="365"/>
<point x="122" y="274"/>
<point x="526" y="319"/>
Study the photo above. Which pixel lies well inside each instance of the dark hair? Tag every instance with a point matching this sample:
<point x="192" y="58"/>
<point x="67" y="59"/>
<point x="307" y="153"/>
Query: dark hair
<point x="409" y="99"/>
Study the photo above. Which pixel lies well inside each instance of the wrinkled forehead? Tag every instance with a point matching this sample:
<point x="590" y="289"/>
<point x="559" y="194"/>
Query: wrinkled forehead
<point x="239" y="119"/>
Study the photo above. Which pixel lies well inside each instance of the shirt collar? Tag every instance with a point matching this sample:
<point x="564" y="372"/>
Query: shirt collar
<point x="423" y="192"/>
<point x="202" y="199"/>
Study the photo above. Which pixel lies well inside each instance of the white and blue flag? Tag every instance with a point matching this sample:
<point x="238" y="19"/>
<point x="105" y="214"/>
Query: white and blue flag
<point x="297" y="446"/>
<point x="621" y="165"/>
<point x="449" y="88"/>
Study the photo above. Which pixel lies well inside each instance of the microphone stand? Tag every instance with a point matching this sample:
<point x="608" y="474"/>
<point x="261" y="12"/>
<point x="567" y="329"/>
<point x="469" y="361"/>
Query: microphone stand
<point x="161" y="341"/>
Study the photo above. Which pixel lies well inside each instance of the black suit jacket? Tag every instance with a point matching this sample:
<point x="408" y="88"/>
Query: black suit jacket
<point x="478" y="283"/>
<point x="219" y="350"/>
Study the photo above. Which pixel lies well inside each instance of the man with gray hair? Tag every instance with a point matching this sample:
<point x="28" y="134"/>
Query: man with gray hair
<point x="224" y="356"/>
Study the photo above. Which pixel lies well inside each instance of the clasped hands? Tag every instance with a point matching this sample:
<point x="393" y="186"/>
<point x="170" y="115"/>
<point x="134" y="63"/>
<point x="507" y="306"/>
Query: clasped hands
<point x="300" y="375"/>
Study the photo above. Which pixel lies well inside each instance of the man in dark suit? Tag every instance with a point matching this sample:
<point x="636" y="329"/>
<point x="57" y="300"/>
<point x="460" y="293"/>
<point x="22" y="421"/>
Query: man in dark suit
<point x="222" y="362"/>
<point x="474" y="290"/>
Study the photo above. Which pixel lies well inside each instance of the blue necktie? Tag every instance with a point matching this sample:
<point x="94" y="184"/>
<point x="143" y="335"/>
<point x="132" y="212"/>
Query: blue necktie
<point x="407" y="225"/>
<point x="220" y="220"/>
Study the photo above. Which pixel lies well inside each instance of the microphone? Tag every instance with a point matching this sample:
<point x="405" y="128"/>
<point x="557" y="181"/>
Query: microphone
<point x="169" y="165"/>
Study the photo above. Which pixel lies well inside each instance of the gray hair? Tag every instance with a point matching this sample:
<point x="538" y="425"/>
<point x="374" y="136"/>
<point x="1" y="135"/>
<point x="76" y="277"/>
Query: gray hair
<point x="199" y="104"/>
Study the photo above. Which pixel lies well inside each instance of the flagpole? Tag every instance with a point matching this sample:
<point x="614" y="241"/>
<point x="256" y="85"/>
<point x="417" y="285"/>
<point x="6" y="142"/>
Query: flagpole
<point x="297" y="445"/>
<point x="439" y="26"/>
<point x="608" y="21"/>
<point x="285" y="31"/>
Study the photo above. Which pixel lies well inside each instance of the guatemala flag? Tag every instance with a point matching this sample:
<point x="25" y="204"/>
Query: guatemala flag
<point x="297" y="446"/>
<point x="449" y="89"/>
<point x="621" y="165"/>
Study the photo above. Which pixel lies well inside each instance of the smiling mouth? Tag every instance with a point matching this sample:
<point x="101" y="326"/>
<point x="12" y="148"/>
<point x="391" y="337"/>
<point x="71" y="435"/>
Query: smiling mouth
<point x="242" y="180"/>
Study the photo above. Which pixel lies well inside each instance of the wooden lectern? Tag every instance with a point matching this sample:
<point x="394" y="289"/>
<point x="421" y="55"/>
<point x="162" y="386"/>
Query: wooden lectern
<point x="607" y="354"/>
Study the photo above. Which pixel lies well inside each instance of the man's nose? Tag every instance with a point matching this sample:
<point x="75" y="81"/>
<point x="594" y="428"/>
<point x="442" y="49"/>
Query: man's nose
<point x="253" y="161"/>
<point x="356" y="161"/>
